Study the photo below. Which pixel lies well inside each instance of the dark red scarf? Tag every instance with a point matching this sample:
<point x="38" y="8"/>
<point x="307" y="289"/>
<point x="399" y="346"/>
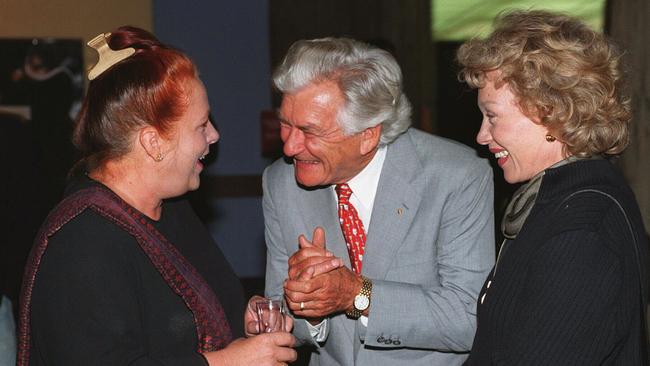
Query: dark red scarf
<point x="212" y="327"/>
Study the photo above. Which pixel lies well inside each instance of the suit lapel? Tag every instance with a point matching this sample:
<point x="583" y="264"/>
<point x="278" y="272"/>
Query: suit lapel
<point x="318" y="208"/>
<point x="397" y="200"/>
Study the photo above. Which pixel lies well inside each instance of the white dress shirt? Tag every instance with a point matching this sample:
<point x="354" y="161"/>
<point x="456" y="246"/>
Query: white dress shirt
<point x="364" y="189"/>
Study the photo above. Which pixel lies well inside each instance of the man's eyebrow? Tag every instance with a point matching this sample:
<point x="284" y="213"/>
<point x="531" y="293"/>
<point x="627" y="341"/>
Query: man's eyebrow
<point x="310" y="127"/>
<point x="307" y="127"/>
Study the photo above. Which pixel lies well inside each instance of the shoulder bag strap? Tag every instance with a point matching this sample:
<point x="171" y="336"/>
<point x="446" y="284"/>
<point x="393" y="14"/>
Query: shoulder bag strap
<point x="642" y="300"/>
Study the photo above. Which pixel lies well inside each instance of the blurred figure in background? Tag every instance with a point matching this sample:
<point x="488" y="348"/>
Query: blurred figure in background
<point x="20" y="215"/>
<point x="7" y="333"/>
<point x="48" y="86"/>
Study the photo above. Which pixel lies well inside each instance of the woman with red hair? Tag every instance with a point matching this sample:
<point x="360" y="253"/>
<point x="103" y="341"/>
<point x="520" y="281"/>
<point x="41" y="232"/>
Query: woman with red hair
<point x="122" y="271"/>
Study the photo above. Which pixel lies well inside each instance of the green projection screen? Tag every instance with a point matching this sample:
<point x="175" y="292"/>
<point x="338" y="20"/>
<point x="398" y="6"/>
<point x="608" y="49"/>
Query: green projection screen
<point x="457" y="20"/>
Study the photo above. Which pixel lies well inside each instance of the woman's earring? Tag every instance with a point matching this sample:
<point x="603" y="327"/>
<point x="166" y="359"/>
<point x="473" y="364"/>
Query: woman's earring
<point x="159" y="157"/>
<point x="550" y="138"/>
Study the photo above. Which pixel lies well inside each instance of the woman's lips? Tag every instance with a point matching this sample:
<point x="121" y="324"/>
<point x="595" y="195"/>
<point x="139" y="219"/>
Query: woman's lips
<point x="501" y="155"/>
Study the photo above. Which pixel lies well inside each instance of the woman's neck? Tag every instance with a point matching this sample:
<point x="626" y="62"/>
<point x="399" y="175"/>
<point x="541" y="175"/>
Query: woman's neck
<point x="131" y="186"/>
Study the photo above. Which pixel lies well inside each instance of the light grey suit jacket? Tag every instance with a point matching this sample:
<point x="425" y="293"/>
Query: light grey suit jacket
<point x="429" y="248"/>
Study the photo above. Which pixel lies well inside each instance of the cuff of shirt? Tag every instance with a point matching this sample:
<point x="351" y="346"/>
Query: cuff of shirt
<point x="364" y="320"/>
<point x="319" y="331"/>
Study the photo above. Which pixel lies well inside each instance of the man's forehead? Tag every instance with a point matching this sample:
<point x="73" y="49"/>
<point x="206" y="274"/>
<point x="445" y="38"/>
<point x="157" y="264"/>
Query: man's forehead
<point x="320" y="93"/>
<point x="312" y="109"/>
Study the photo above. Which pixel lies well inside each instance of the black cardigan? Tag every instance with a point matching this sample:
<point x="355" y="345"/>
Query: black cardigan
<point x="566" y="290"/>
<point x="98" y="300"/>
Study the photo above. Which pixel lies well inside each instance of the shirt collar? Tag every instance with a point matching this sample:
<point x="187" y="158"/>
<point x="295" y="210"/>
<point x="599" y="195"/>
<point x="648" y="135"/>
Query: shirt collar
<point x="364" y="185"/>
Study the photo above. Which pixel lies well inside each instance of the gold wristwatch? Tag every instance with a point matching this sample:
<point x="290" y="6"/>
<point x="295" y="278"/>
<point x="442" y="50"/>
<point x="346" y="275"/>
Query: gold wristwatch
<point x="362" y="300"/>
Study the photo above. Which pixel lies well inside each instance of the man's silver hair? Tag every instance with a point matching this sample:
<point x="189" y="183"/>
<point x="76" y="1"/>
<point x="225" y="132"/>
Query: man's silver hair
<point x="369" y="78"/>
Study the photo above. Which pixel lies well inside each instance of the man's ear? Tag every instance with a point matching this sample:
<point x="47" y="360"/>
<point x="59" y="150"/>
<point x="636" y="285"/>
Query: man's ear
<point x="370" y="139"/>
<point x="151" y="142"/>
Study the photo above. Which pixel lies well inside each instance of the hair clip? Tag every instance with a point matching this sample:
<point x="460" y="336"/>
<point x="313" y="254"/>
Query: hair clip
<point x="107" y="56"/>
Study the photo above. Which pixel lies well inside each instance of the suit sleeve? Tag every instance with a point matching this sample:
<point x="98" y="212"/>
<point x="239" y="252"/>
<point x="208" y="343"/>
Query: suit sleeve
<point x="85" y="304"/>
<point x="277" y="258"/>
<point x="443" y="317"/>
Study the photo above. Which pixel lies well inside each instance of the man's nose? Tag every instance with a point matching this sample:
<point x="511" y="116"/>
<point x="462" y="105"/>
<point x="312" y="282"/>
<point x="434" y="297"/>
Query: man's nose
<point x="294" y="143"/>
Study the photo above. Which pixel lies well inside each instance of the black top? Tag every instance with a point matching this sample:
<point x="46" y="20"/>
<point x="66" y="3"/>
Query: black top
<point x="566" y="290"/>
<point x="98" y="299"/>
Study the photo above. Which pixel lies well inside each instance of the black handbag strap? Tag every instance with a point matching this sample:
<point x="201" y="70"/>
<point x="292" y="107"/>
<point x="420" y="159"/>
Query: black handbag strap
<point x="644" y="326"/>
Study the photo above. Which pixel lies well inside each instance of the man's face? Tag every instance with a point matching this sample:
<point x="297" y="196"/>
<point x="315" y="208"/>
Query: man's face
<point x="321" y="153"/>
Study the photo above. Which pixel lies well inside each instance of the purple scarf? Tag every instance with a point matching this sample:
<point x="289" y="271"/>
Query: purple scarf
<point x="212" y="328"/>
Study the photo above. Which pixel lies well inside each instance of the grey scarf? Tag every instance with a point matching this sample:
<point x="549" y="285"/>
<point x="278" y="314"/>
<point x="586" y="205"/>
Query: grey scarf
<point x="523" y="201"/>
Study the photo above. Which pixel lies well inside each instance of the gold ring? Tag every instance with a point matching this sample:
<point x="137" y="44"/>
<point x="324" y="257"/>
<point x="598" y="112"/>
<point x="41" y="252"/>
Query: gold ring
<point x="302" y="305"/>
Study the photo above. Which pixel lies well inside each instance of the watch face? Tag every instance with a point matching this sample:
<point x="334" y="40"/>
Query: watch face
<point x="361" y="302"/>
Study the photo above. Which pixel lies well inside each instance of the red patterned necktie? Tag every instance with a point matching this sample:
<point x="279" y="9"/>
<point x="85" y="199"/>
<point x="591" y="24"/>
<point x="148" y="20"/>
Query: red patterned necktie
<point x="352" y="226"/>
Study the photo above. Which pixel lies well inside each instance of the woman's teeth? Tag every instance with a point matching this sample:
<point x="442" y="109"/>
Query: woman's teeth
<point x="501" y="154"/>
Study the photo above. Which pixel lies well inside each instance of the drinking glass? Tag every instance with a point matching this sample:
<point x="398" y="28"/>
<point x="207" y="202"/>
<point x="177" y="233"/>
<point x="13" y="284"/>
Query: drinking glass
<point x="270" y="314"/>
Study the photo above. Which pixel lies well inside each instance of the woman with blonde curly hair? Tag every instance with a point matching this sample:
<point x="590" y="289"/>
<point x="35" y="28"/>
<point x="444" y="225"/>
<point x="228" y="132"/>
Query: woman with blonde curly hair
<point x="569" y="285"/>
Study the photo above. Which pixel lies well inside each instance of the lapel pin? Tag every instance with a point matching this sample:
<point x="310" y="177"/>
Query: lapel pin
<point x="400" y="211"/>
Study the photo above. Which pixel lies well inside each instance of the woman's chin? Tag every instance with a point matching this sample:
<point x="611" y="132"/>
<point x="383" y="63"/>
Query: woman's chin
<point x="194" y="185"/>
<point x="511" y="178"/>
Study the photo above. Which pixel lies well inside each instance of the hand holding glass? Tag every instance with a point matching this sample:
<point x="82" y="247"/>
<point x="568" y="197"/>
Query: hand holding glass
<point x="270" y="314"/>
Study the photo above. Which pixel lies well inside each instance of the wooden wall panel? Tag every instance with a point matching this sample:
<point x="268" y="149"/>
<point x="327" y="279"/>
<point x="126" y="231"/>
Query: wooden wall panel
<point x="628" y="25"/>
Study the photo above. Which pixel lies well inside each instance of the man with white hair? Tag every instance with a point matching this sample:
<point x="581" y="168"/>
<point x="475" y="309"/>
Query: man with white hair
<point x="405" y="223"/>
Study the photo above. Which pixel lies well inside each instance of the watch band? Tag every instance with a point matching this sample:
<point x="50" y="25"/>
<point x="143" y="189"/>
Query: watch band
<point x="366" y="291"/>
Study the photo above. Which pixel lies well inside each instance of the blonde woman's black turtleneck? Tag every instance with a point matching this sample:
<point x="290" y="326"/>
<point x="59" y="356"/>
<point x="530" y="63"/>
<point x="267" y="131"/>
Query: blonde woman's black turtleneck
<point x="566" y="290"/>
